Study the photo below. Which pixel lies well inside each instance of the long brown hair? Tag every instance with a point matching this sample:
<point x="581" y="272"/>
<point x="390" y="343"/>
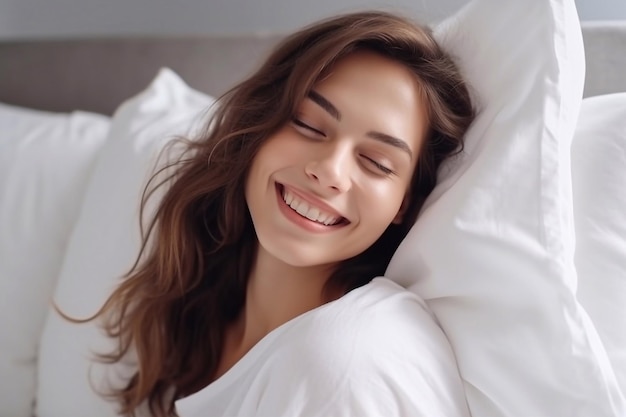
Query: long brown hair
<point x="190" y="277"/>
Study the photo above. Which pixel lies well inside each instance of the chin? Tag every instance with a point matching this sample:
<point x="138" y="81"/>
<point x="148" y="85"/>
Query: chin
<point x="303" y="258"/>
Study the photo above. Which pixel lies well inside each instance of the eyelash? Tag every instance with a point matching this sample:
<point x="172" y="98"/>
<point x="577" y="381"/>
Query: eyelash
<point x="379" y="166"/>
<point x="303" y="125"/>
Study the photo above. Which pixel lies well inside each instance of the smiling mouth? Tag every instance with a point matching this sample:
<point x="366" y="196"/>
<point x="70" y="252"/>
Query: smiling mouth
<point x="310" y="211"/>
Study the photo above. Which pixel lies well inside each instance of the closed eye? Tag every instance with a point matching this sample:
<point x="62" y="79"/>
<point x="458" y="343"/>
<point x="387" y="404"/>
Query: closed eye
<point x="378" y="165"/>
<point x="303" y="125"/>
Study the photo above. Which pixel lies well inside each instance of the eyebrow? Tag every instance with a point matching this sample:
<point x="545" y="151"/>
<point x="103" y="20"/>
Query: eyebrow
<point x="390" y="140"/>
<point x="330" y="108"/>
<point x="321" y="101"/>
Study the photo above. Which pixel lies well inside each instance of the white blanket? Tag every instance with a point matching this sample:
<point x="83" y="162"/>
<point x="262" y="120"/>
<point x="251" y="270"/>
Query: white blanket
<point x="374" y="352"/>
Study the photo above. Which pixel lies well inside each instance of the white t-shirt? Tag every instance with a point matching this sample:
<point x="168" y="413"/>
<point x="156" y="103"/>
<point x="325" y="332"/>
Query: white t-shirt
<point x="374" y="352"/>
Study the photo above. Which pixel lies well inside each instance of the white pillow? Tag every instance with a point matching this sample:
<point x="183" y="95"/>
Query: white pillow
<point x="599" y="188"/>
<point x="105" y="243"/>
<point x="492" y="252"/>
<point x="45" y="163"/>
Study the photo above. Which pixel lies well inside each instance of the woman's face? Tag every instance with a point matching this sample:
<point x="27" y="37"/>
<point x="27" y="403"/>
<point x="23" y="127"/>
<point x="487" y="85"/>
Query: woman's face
<point x="327" y="185"/>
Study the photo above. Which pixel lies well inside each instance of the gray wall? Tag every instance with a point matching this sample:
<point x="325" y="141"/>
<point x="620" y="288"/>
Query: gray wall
<point x="601" y="9"/>
<point x="72" y="18"/>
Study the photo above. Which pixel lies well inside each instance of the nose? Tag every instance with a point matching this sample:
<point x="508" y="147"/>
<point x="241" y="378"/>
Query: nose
<point x="331" y="169"/>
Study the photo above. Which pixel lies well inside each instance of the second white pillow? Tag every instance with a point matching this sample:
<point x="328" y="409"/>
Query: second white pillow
<point x="105" y="244"/>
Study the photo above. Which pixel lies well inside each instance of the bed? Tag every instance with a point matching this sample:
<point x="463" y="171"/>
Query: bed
<point x="77" y="85"/>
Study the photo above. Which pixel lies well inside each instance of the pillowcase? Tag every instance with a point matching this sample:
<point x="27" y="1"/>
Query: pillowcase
<point x="599" y="190"/>
<point x="492" y="252"/>
<point x="104" y="245"/>
<point x="45" y="163"/>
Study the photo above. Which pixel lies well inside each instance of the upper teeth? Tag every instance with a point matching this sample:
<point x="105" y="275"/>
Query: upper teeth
<point x="305" y="209"/>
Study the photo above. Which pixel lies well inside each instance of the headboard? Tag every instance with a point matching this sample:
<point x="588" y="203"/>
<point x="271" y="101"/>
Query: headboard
<point x="98" y="74"/>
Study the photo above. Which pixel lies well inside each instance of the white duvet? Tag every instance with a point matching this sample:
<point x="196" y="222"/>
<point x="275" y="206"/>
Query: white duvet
<point x="374" y="352"/>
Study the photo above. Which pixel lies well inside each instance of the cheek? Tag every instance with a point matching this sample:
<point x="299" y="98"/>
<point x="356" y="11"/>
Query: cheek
<point x="268" y="155"/>
<point x="278" y="149"/>
<point x="381" y="205"/>
<point x="387" y="197"/>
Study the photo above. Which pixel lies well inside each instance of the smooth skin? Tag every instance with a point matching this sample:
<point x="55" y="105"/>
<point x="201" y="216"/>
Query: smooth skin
<point x="346" y="161"/>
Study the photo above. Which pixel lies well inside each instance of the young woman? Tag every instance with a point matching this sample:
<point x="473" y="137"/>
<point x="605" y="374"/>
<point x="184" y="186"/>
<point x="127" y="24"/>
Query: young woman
<point x="253" y="294"/>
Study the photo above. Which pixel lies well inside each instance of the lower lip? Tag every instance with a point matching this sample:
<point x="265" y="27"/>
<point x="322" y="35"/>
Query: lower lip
<point x="299" y="220"/>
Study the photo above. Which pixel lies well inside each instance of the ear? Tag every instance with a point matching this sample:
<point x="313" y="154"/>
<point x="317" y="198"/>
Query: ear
<point x="402" y="211"/>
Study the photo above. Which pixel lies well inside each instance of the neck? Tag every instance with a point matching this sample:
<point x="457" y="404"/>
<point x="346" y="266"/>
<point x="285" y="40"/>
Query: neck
<point x="276" y="293"/>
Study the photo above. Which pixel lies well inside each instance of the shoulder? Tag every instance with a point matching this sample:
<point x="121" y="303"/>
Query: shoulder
<point x="371" y="318"/>
<point x="376" y="350"/>
<point x="367" y="324"/>
<point x="399" y="337"/>
<point x="384" y="316"/>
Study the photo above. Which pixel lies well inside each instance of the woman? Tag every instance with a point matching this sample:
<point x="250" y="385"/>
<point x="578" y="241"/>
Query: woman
<point x="253" y="293"/>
